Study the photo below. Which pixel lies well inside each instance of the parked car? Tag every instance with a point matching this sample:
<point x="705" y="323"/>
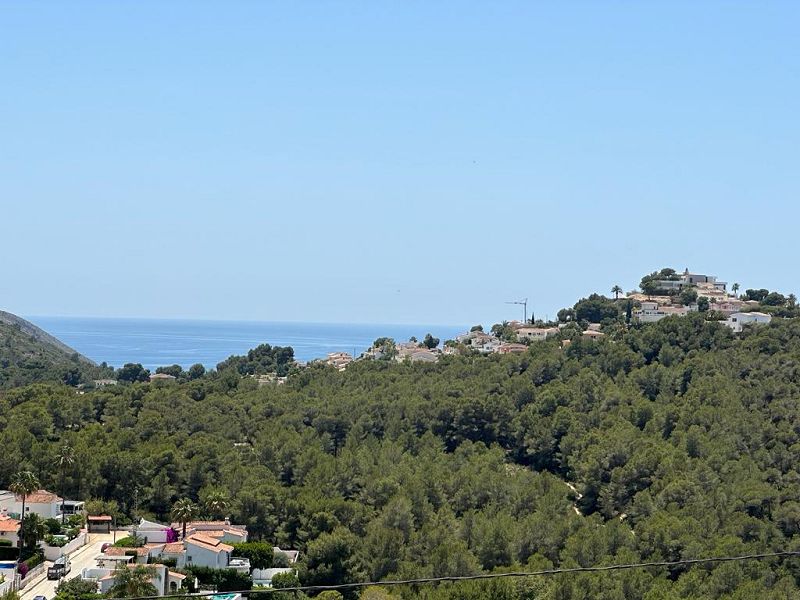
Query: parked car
<point x="59" y="568"/>
<point x="39" y="598"/>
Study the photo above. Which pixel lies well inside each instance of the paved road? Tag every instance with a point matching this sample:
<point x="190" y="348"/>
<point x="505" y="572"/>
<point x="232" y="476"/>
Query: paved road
<point x="82" y="558"/>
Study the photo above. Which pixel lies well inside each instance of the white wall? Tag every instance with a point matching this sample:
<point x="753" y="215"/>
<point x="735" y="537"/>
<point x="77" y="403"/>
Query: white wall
<point x="203" y="557"/>
<point x="53" y="552"/>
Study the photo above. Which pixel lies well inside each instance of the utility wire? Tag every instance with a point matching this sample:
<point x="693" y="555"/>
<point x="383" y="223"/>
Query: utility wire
<point x="482" y="576"/>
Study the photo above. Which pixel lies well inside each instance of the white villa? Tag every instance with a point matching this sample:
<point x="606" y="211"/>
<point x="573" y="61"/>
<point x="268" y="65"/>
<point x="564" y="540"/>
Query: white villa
<point x="535" y="334"/>
<point x="480" y="341"/>
<point x="205" y="551"/>
<point x="687" y="278"/>
<point x="738" y="320"/>
<point x="41" y="502"/>
<point x="164" y="580"/>
<point x="651" y="311"/>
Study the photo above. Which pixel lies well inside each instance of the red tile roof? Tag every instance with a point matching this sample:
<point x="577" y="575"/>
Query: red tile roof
<point x="10" y="525"/>
<point x="40" y="497"/>
<point x="208" y="543"/>
<point x="119" y="551"/>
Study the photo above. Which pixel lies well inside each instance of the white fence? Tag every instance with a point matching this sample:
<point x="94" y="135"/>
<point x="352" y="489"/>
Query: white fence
<point x="6" y="585"/>
<point x="51" y="553"/>
<point x="32" y="574"/>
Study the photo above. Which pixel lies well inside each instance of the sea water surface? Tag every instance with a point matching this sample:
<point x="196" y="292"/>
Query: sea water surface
<point x="161" y="342"/>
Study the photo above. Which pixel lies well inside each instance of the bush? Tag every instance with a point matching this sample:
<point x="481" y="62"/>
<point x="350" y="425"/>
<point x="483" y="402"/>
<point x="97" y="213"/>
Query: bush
<point x="5" y="542"/>
<point x="53" y="526"/>
<point x="132" y="541"/>
<point x="285" y="580"/>
<point x="34" y="561"/>
<point x="260" y="554"/>
<point x="76" y="589"/>
<point x="56" y="542"/>
<point x="280" y="559"/>
<point x="225" y="580"/>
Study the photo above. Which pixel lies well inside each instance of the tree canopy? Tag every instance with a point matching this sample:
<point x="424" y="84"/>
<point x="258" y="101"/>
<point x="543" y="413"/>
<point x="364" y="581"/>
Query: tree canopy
<point x="662" y="441"/>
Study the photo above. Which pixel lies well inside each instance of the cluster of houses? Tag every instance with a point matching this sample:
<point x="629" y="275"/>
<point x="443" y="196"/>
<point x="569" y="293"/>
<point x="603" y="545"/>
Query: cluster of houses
<point x="524" y="334"/>
<point x="650" y="308"/>
<point x="46" y="505"/>
<point x="738" y="312"/>
<point x="410" y="350"/>
<point x="206" y="544"/>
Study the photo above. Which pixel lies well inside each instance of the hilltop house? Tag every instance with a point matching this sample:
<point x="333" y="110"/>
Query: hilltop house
<point x="479" y="341"/>
<point x="535" y="334"/>
<point x="738" y="320"/>
<point x="651" y="311"/>
<point x="687" y="279"/>
<point x="511" y="348"/>
<point x="592" y="334"/>
<point x="161" y="377"/>
<point x="339" y="360"/>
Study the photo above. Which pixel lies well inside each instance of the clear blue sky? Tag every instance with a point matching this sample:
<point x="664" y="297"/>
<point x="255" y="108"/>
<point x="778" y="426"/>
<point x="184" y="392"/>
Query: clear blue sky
<point x="407" y="162"/>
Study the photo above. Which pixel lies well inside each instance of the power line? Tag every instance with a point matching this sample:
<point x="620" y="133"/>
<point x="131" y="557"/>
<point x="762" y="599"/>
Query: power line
<point x="483" y="576"/>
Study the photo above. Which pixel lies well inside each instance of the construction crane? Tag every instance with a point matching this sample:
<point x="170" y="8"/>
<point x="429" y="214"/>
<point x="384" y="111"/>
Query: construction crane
<point x="524" y="303"/>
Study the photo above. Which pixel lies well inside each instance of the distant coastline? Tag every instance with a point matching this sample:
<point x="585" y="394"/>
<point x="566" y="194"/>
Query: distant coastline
<point x="160" y="342"/>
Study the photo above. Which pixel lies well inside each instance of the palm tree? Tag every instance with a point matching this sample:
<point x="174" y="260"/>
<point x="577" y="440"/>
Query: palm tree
<point x="183" y="511"/>
<point x="735" y="288"/>
<point x="133" y="582"/>
<point x="217" y="504"/>
<point x="23" y="483"/>
<point x="616" y="290"/>
<point x="65" y="459"/>
<point x="33" y="530"/>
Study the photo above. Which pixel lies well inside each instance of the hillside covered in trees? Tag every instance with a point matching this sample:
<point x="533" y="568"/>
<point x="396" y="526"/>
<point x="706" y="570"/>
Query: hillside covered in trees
<point x="30" y="355"/>
<point x="659" y="442"/>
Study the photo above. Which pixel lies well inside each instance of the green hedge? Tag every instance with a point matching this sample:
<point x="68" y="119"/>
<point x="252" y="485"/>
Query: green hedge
<point x="225" y="580"/>
<point x="34" y="561"/>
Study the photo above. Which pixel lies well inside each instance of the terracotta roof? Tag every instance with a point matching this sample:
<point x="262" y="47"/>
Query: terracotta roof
<point x="119" y="551"/>
<point x="11" y="525"/>
<point x="592" y="333"/>
<point x="218" y="533"/>
<point x="176" y="575"/>
<point x="154" y="546"/>
<point x="173" y="548"/>
<point x="40" y="497"/>
<point x="99" y="518"/>
<point x="209" y="543"/>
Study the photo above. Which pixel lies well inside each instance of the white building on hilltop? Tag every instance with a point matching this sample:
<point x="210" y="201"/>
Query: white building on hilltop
<point x="738" y="320"/>
<point x="687" y="279"/>
<point x="652" y="311"/>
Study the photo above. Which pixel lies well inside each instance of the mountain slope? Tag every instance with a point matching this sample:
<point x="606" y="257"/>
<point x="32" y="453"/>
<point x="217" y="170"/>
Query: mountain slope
<point x="29" y="355"/>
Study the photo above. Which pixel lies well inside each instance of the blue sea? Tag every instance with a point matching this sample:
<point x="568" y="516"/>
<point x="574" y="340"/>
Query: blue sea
<point x="161" y="342"/>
